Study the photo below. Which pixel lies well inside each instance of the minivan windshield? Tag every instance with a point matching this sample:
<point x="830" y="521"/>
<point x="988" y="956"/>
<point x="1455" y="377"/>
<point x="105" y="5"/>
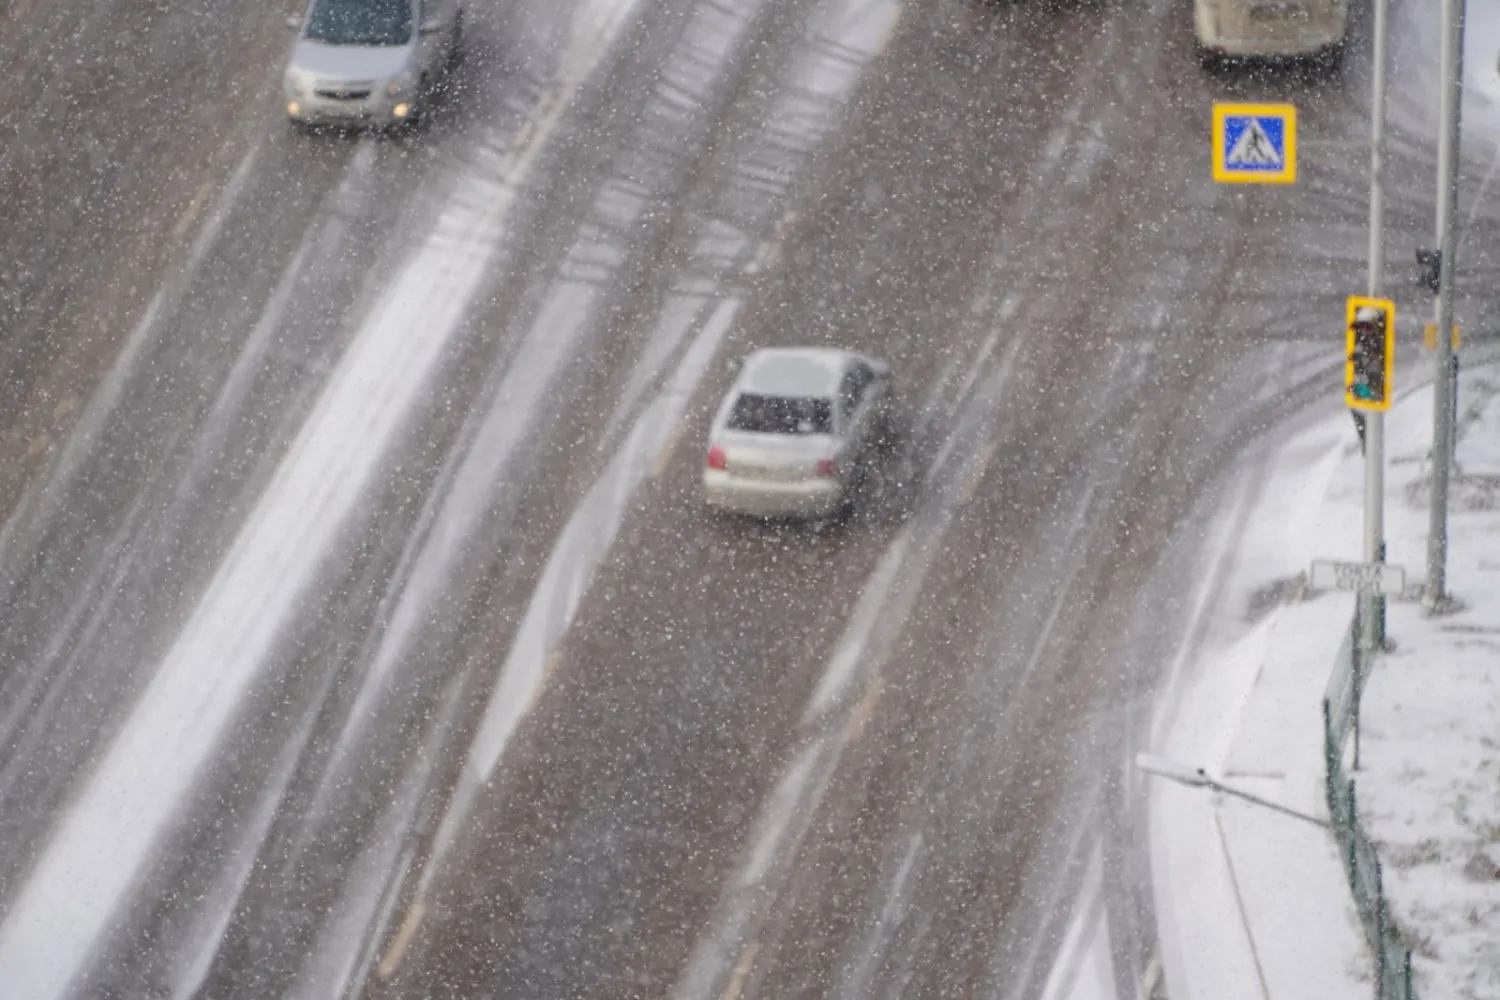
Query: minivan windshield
<point x="782" y="414"/>
<point x="360" y="22"/>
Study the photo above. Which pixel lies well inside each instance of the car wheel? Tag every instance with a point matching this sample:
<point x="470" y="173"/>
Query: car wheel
<point x="1208" y="59"/>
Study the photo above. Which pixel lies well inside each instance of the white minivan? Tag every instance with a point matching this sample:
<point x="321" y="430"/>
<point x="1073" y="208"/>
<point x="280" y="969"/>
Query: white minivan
<point x="1231" y="30"/>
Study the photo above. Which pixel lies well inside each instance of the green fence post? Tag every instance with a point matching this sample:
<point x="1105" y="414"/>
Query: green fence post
<point x="1358" y="666"/>
<point x="1349" y="835"/>
<point x="1382" y="983"/>
<point x="1328" y="796"/>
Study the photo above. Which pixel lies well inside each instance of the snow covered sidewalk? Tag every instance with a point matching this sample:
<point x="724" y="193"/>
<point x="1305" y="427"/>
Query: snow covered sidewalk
<point x="1429" y="784"/>
<point x="1254" y="904"/>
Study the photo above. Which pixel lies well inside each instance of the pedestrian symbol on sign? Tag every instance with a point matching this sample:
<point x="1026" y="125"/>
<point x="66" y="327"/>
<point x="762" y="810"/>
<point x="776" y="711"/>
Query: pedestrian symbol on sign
<point x="1253" y="150"/>
<point x="1255" y="143"/>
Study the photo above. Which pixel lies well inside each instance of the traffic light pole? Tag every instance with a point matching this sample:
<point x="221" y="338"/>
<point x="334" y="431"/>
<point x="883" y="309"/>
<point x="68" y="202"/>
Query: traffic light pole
<point x="1436" y="597"/>
<point x="1374" y="619"/>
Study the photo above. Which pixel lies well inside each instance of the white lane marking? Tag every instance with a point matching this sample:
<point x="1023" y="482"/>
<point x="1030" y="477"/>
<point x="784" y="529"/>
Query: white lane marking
<point x="867" y="613"/>
<point x="339" y="954"/>
<point x="998" y="377"/>
<point x="669" y="446"/>
<point x="1020" y="979"/>
<point x="1147" y="986"/>
<point x="783" y="819"/>
<point x="200" y="938"/>
<point x="1082" y="969"/>
<point x="985" y="350"/>
<point x="106" y="397"/>
<point x="190" y="213"/>
<point x="976" y="474"/>
<point x="937" y="391"/>
<point x="892" y="915"/>
<point x="865" y="710"/>
<point x="326" y="241"/>
<point x="781" y="808"/>
<point x="342" y="958"/>
<point x="576" y="556"/>
<point x="679" y="317"/>
<point x="1044" y="638"/>
<point x="397" y="951"/>
<point x="876" y="606"/>
<point x="563" y="317"/>
<point x="742" y="971"/>
<point x="842" y="38"/>
<point x="109" y="832"/>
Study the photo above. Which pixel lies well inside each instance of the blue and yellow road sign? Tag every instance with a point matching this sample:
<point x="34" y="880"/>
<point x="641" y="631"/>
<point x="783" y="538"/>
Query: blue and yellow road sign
<point x="1255" y="143"/>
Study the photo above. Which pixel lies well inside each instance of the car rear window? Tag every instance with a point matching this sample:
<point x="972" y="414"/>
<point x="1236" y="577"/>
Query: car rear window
<point x="781" y="414"/>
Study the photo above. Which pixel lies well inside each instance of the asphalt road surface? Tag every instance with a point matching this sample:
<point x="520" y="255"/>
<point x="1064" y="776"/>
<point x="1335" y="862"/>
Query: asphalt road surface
<point x="364" y="633"/>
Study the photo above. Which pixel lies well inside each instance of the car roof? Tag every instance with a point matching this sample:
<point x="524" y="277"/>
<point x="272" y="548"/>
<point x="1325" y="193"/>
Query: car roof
<point x="794" y="371"/>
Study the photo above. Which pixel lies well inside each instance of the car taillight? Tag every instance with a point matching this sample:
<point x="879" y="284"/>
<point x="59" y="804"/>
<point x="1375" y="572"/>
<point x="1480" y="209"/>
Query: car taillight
<point x="828" y="468"/>
<point x="717" y="458"/>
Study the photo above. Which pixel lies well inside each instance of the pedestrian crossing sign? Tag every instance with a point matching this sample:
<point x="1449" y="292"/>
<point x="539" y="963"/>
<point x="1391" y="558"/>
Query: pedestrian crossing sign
<point x="1255" y="143"/>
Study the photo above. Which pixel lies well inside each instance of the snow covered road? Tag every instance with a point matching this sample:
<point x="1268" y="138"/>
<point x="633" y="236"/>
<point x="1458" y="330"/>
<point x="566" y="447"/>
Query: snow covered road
<point x="365" y="633"/>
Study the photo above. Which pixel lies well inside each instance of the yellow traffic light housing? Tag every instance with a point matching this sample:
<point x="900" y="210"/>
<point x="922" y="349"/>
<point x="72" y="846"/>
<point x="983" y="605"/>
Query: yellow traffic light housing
<point x="1369" y="353"/>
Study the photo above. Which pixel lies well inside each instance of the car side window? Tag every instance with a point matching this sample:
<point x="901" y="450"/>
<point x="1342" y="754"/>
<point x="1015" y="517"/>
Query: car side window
<point x="849" y="392"/>
<point x="856" y="380"/>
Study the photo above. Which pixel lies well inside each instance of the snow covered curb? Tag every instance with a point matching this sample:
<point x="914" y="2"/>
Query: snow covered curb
<point x="1252" y="904"/>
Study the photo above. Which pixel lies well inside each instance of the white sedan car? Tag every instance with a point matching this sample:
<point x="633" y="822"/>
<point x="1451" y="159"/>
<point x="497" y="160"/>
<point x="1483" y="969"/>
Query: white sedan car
<point x="370" y="62"/>
<point x="796" y="432"/>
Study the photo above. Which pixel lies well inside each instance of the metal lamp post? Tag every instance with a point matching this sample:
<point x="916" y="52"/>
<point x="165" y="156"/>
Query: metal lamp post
<point x="1436" y="596"/>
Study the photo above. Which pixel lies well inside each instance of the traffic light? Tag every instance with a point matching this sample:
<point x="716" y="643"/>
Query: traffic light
<point x="1370" y="353"/>
<point x="1430" y="268"/>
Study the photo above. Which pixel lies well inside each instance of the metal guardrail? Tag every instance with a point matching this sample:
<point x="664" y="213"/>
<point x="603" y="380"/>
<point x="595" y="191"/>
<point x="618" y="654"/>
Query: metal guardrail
<point x="1361" y="862"/>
